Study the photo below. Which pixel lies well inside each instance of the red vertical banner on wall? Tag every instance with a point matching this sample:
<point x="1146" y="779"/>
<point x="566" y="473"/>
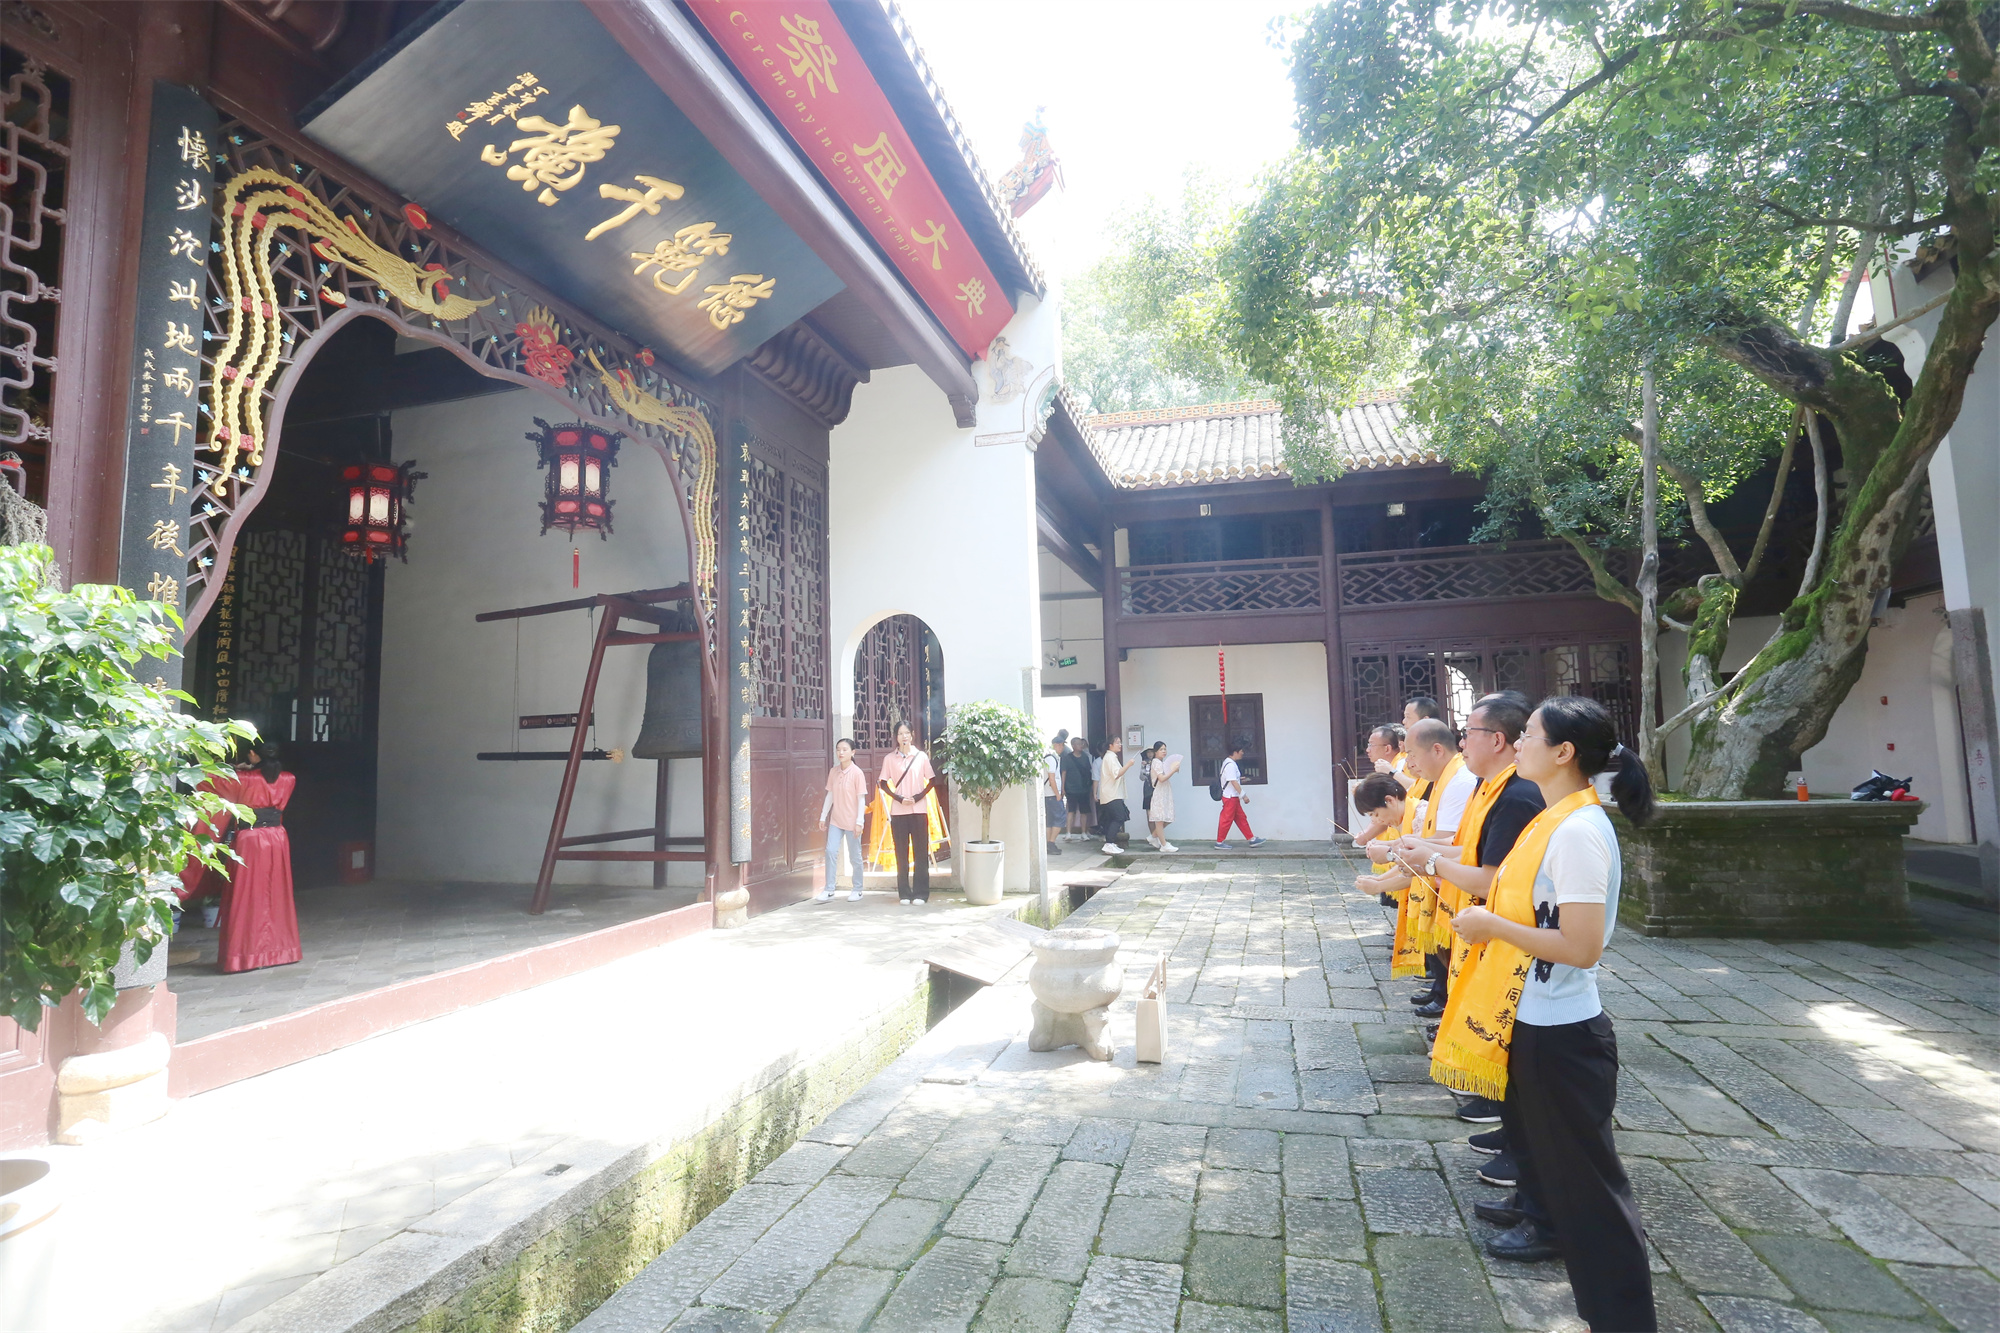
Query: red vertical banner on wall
<point x="1222" y="683"/>
<point x="800" y="61"/>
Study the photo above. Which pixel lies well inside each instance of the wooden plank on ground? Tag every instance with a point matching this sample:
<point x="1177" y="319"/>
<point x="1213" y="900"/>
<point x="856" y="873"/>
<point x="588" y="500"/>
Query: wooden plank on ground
<point x="985" y="953"/>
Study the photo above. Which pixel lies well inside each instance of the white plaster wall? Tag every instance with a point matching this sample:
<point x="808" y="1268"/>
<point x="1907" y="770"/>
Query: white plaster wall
<point x="1298" y="800"/>
<point x="925" y="521"/>
<point x="449" y="684"/>
<point x="1900" y="668"/>
<point x="1070" y="629"/>
<point x="1965" y="470"/>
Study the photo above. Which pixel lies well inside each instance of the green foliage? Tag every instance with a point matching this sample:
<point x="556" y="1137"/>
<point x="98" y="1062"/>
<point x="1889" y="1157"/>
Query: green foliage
<point x="99" y="773"/>
<point x="1549" y="195"/>
<point x="1139" y="326"/>
<point x="986" y="748"/>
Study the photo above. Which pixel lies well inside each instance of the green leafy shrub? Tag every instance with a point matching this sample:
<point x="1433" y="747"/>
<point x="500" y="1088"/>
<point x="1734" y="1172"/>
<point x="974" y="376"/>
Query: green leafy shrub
<point x="98" y="807"/>
<point x="986" y="748"/>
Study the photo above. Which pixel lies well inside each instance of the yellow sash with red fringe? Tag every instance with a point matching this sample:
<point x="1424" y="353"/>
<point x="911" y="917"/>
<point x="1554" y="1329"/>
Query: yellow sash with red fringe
<point x="1406" y="957"/>
<point x="1470" y="1054"/>
<point x="1426" y="894"/>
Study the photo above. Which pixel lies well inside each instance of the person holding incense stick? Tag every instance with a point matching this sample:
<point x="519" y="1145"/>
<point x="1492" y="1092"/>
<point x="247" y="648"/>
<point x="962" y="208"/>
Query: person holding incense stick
<point x="1525" y="1023"/>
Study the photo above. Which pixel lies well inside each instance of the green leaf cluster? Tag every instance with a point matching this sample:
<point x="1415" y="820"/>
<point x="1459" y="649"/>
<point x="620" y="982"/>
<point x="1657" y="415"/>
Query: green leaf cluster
<point x="99" y="810"/>
<point x="986" y="748"/>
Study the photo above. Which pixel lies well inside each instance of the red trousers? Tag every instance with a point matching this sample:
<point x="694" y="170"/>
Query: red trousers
<point x="1232" y="817"/>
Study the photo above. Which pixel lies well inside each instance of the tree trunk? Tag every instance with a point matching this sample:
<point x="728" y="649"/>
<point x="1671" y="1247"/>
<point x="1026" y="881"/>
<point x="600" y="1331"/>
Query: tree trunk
<point x="1788" y="692"/>
<point x="1649" y="575"/>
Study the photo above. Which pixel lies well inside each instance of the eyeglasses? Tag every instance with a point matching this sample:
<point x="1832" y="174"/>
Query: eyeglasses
<point x="1491" y="731"/>
<point x="1531" y="736"/>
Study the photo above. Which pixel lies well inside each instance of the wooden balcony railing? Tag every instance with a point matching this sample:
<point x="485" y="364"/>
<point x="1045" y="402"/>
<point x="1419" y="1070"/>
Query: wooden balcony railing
<point x="1461" y="573"/>
<point x="1221" y="588"/>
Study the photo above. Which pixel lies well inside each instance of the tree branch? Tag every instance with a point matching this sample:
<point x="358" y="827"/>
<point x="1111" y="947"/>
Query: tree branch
<point x="1771" y="509"/>
<point x="1853" y="16"/>
<point x="1608" y="71"/>
<point x="1818" y="289"/>
<point x="1868" y="336"/>
<point x="1913" y="227"/>
<point x="1963" y="97"/>
<point x="1602" y="579"/>
<point x="1823" y="499"/>
<point x="1697" y="498"/>
<point x="1864" y="255"/>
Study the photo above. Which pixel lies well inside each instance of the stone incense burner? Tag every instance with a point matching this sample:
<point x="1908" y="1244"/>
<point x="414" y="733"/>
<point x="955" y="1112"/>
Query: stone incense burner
<point x="1075" y="978"/>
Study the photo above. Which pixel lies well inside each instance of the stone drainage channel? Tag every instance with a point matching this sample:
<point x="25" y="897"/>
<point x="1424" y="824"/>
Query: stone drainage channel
<point x="541" y="1247"/>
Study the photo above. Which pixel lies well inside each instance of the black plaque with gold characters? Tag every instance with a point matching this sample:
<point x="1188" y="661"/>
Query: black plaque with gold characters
<point x="164" y="414"/>
<point x="525" y="127"/>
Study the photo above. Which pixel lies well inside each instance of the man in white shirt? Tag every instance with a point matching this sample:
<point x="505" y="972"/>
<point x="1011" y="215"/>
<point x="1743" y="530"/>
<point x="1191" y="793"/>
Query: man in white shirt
<point x="1232" y="801"/>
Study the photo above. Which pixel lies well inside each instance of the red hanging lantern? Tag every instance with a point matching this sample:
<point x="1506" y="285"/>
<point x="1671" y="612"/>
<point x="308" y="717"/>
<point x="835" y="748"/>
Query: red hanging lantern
<point x="578" y="458"/>
<point x="378" y="494"/>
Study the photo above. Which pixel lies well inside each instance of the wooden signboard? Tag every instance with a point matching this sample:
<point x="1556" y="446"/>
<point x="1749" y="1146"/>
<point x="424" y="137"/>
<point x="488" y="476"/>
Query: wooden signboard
<point x="164" y="411"/>
<point x="527" y="128"/>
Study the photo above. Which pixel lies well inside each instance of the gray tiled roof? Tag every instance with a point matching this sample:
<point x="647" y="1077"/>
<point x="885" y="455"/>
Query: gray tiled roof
<point x="1223" y="442"/>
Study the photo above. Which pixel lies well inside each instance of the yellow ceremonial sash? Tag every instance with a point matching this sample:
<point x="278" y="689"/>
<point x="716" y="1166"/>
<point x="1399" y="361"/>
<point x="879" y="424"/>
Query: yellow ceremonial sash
<point x="1427" y="893"/>
<point x="1405" y="958"/>
<point x="1470" y="1054"/>
<point x="1469" y="833"/>
<point x="1450" y="897"/>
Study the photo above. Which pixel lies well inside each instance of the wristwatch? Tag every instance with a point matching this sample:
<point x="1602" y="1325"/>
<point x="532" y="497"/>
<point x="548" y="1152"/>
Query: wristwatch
<point x="1431" y="866"/>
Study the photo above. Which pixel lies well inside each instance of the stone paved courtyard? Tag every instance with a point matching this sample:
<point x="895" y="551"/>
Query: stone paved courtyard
<point x="1810" y="1129"/>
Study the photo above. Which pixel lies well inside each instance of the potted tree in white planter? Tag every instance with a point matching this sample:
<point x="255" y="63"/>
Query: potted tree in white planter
<point x="986" y="748"/>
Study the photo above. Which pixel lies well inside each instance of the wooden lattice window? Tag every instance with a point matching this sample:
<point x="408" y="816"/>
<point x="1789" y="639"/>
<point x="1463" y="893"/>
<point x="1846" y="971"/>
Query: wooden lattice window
<point x="806" y="573"/>
<point x="1213" y="737"/>
<point x="34" y="195"/>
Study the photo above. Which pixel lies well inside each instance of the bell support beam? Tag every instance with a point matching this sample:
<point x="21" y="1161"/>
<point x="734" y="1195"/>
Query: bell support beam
<point x="664" y="43"/>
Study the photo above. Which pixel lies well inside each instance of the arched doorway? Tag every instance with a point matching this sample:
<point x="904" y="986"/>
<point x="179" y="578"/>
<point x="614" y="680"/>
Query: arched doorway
<point x="898" y="677"/>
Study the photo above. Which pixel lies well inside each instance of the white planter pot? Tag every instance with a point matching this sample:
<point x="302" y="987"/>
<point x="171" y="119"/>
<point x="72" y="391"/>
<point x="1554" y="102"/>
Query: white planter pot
<point x="984" y="862"/>
<point x="30" y="1204"/>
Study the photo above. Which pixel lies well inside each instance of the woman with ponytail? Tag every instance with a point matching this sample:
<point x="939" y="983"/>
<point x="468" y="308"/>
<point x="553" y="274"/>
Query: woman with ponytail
<point x="1525" y="1024"/>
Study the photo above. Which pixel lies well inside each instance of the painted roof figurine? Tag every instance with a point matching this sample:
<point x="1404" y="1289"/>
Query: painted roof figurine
<point x="1029" y="179"/>
<point x="1243" y="441"/>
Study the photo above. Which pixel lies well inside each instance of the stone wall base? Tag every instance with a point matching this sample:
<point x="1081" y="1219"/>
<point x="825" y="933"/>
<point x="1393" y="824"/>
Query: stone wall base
<point x="1770" y="869"/>
<point x="574" y="1267"/>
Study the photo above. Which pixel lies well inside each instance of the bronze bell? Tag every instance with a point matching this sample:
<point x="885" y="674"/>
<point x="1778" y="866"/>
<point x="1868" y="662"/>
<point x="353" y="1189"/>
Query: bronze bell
<point x="672" y="728"/>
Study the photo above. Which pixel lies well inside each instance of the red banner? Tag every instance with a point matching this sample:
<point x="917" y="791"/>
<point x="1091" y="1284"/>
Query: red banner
<point x="805" y="67"/>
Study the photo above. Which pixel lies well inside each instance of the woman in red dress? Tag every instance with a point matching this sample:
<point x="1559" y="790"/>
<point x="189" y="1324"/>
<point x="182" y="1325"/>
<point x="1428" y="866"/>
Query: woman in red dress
<point x="260" y="926"/>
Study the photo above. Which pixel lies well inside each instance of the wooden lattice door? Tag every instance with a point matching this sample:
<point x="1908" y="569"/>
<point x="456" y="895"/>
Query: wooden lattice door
<point x="787" y="609"/>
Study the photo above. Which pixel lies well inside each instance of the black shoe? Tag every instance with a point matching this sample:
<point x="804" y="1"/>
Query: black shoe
<point x="1525" y="1243"/>
<point x="1386" y="899"/>
<point x="1435" y="1009"/>
<point x="1488" y="1141"/>
<point x="1428" y="995"/>
<point x="1506" y="1213"/>
<point x="1054" y="850"/>
<point x="1500" y="1171"/>
<point x="1430" y="1032"/>
<point x="1478" y="1110"/>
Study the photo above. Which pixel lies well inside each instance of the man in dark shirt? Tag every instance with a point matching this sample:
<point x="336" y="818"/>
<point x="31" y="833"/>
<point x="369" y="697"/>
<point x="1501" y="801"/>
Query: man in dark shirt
<point x="1076" y="786"/>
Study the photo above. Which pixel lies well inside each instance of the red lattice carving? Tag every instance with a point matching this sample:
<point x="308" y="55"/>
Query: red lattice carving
<point x="1220" y="587"/>
<point x="34" y="169"/>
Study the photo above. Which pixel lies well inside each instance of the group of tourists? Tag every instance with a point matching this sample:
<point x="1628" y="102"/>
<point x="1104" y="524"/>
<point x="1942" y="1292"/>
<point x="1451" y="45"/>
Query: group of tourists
<point x="1503" y="867"/>
<point x="904" y="786"/>
<point x="1084" y="793"/>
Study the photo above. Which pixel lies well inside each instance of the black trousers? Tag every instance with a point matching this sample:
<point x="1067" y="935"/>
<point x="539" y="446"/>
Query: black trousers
<point x="1562" y="1083"/>
<point x="1112" y="817"/>
<point x="912" y="834"/>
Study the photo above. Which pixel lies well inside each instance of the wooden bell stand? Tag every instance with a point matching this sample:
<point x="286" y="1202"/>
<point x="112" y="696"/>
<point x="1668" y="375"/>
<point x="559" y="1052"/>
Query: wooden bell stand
<point x="643" y="606"/>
